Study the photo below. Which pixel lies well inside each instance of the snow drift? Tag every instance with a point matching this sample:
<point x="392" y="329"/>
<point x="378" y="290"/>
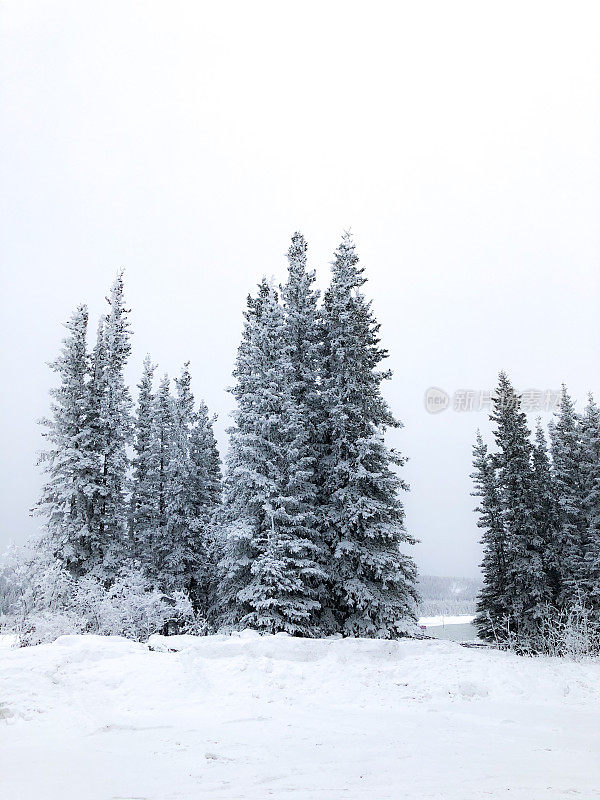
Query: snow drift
<point x="273" y="716"/>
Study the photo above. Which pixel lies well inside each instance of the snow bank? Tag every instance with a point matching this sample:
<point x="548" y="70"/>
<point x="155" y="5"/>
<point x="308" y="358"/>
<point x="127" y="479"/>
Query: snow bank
<point x="275" y="716"/>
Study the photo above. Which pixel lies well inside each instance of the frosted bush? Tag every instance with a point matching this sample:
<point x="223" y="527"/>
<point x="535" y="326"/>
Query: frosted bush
<point x="41" y="601"/>
<point x="134" y="608"/>
<point x="572" y="633"/>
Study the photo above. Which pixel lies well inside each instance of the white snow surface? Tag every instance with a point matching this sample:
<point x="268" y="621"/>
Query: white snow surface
<point x="250" y="717"/>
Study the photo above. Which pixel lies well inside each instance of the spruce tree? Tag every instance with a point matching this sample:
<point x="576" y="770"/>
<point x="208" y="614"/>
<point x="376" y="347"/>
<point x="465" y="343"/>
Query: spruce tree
<point x="96" y="389"/>
<point x="183" y="477"/>
<point x="570" y="544"/>
<point x="143" y="504"/>
<point x="372" y="581"/>
<point x="590" y="474"/>
<point x="303" y="421"/>
<point x="113" y="433"/>
<point x="206" y="465"/>
<point x="244" y="479"/>
<point x="183" y="533"/>
<point x="205" y="495"/>
<point x="158" y="547"/>
<point x="267" y="570"/>
<point x="546" y="512"/>
<point x="526" y="579"/>
<point x="70" y="462"/>
<point x="178" y="566"/>
<point x="493" y="606"/>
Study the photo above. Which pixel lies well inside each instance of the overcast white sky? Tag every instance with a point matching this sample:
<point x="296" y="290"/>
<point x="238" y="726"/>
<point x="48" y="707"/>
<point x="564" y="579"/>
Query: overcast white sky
<point x="187" y="141"/>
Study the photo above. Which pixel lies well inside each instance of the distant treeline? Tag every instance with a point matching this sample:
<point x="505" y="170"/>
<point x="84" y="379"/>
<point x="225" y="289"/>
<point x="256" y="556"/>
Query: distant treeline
<point x="441" y="595"/>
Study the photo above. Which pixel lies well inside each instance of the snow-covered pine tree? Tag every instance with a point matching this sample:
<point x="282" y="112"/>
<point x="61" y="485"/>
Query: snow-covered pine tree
<point x="205" y="494"/>
<point x="244" y="484"/>
<point x="493" y="604"/>
<point x="373" y="583"/>
<point x="111" y="407"/>
<point x="97" y="426"/>
<point x="70" y="462"/>
<point x="526" y="579"/>
<point x="183" y="477"/>
<point x="304" y="420"/>
<point x="570" y="542"/>
<point x="546" y="512"/>
<point x="590" y="473"/>
<point x="267" y="572"/>
<point x="157" y="546"/>
<point x="144" y="515"/>
<point x="206" y="465"/>
<point x="185" y="551"/>
<point x="179" y="563"/>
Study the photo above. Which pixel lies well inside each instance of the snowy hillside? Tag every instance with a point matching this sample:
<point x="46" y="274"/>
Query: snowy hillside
<point x="100" y="718"/>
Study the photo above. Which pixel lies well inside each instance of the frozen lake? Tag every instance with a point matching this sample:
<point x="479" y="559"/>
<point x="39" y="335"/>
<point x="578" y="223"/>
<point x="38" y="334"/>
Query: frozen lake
<point x="454" y="629"/>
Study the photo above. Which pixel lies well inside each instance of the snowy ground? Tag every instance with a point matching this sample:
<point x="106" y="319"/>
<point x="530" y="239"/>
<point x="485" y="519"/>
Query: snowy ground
<point x="250" y="718"/>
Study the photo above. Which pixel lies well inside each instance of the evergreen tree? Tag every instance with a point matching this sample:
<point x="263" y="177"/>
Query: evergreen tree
<point x="157" y="550"/>
<point x="493" y="606"/>
<point x="205" y="493"/>
<point x="245" y="478"/>
<point x="183" y="550"/>
<point x="570" y="544"/>
<point x="373" y="582"/>
<point x="144" y="507"/>
<point x="546" y="512"/>
<point x="267" y="569"/>
<point x="526" y="578"/>
<point x="96" y="389"/>
<point x="182" y="473"/>
<point x="206" y="465"/>
<point x="590" y="473"/>
<point x="70" y="462"/>
<point x="113" y="431"/>
<point x="303" y="423"/>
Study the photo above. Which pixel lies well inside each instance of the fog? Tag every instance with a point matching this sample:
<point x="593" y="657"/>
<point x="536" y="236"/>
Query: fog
<point x="186" y="142"/>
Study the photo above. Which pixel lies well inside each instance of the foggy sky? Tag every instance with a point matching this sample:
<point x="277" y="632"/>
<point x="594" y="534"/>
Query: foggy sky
<point x="186" y="142"/>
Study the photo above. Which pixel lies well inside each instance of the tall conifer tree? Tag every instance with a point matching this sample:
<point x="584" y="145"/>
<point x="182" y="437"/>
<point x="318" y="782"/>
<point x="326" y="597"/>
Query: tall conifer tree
<point x="570" y="544"/>
<point x="527" y="582"/>
<point x="205" y="496"/>
<point x="178" y="539"/>
<point x="113" y="421"/>
<point x="194" y="485"/>
<point x="267" y="570"/>
<point x="70" y="462"/>
<point x="590" y="474"/>
<point x="144" y="507"/>
<point x="157" y="552"/>
<point x="493" y="606"/>
<point x="303" y="420"/>
<point x="372" y="581"/>
<point x="546" y="512"/>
